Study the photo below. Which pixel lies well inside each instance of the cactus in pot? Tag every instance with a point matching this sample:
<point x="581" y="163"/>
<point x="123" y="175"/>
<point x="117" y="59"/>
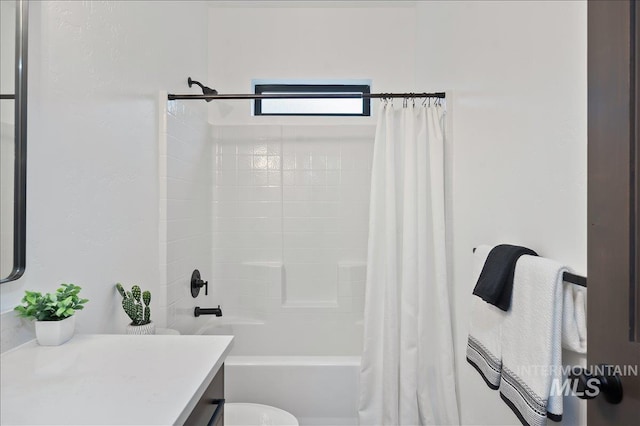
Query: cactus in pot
<point x="136" y="305"/>
<point x="146" y="297"/>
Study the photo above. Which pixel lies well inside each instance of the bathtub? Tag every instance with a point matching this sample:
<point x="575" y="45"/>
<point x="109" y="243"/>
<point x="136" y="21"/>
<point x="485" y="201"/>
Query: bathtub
<point x="318" y="390"/>
<point x="291" y="365"/>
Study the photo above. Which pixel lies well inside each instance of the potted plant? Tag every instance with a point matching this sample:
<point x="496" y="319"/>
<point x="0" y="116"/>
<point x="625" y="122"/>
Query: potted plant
<point x="136" y="305"/>
<point x="54" y="313"/>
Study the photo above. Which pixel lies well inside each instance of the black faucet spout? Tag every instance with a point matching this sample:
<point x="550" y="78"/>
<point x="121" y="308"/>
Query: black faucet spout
<point x="207" y="311"/>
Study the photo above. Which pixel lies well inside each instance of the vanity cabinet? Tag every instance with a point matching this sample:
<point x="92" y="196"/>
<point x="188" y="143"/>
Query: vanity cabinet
<point x="209" y="410"/>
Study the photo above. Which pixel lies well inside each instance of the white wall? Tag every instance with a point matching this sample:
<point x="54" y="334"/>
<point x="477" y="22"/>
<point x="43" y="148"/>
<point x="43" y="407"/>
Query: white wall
<point x="307" y="40"/>
<point x="92" y="211"/>
<point x="515" y="73"/>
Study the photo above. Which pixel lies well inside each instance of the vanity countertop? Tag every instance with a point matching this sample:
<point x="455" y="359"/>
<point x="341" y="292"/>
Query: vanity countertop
<point x="108" y="379"/>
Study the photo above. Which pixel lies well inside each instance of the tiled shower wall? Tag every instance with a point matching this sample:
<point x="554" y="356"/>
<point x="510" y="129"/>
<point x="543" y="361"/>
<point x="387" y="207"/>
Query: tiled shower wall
<point x="290" y="220"/>
<point x="185" y="208"/>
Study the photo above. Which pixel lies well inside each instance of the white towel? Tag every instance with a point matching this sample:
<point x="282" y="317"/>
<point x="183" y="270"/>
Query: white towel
<point x="483" y="344"/>
<point x="532" y="342"/>
<point x="574" y="319"/>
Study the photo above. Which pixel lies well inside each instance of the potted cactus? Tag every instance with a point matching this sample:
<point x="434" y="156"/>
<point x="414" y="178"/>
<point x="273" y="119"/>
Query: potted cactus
<point x="136" y="305"/>
<point x="53" y="312"/>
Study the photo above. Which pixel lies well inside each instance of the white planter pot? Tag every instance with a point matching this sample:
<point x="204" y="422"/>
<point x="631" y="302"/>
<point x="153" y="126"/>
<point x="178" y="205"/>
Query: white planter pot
<point x="54" y="333"/>
<point x="142" y="329"/>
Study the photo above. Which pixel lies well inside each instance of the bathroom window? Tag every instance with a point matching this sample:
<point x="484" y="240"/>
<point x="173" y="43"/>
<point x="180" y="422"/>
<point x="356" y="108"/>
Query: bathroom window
<point x="356" y="106"/>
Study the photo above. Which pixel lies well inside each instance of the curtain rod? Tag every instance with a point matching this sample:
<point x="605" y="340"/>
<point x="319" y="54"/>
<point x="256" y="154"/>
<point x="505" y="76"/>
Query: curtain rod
<point x="440" y="95"/>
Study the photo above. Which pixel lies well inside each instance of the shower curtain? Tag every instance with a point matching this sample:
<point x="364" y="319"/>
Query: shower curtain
<point x="407" y="374"/>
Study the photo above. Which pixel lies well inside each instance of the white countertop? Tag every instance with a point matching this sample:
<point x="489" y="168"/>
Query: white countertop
<point x="108" y="379"/>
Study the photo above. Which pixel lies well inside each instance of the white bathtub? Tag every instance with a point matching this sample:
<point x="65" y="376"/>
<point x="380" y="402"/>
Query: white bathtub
<point x="318" y="390"/>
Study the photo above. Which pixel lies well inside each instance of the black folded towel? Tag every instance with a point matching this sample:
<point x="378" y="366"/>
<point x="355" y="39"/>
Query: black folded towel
<point x="495" y="284"/>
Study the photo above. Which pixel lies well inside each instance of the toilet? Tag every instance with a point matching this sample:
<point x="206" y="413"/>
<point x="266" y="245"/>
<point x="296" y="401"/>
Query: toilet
<point x="246" y="414"/>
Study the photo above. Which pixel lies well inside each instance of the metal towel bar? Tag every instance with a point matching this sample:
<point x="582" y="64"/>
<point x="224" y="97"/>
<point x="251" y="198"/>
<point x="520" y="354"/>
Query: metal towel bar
<point x="569" y="277"/>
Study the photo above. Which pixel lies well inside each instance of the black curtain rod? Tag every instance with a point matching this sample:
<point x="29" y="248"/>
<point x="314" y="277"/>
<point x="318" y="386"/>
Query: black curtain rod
<point x="440" y="95"/>
<point x="569" y="277"/>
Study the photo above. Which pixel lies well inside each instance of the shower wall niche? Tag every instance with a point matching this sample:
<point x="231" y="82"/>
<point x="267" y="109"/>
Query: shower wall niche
<point x="290" y="222"/>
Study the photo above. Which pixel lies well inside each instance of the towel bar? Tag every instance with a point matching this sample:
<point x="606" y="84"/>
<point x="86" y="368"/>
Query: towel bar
<point x="569" y="277"/>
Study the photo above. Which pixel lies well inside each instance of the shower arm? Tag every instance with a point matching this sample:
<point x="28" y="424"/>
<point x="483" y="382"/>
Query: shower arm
<point x="205" y="90"/>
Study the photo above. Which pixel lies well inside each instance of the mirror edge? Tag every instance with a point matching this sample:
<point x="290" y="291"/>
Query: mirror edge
<point x="20" y="182"/>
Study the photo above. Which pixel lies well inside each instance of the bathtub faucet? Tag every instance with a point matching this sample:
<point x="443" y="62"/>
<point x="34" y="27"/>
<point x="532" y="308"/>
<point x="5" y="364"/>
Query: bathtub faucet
<point x="207" y="311"/>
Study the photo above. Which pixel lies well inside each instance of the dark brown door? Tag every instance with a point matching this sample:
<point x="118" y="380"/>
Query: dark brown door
<point x="614" y="204"/>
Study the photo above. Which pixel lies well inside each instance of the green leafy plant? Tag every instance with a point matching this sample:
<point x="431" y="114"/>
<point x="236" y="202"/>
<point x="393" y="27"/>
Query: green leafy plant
<point x="136" y="307"/>
<point x="51" y="307"/>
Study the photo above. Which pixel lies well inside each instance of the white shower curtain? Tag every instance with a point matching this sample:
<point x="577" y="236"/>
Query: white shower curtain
<point x="407" y="374"/>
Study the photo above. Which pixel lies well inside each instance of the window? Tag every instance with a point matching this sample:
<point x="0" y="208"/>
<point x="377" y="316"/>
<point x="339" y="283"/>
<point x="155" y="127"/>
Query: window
<point x="321" y="106"/>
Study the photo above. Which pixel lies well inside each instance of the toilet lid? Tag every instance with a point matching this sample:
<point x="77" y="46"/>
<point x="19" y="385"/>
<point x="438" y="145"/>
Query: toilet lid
<point x="246" y="414"/>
